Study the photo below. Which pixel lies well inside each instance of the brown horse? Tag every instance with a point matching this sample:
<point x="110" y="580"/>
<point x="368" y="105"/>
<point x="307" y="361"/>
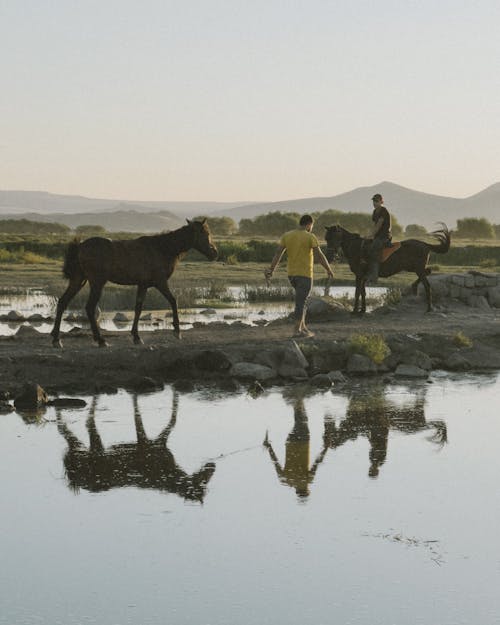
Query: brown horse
<point x="148" y="261"/>
<point x="411" y="255"/>
<point x="146" y="463"/>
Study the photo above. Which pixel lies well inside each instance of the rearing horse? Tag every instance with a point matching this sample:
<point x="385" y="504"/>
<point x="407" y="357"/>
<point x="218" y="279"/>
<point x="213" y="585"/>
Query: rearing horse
<point x="410" y="255"/>
<point x="148" y="261"/>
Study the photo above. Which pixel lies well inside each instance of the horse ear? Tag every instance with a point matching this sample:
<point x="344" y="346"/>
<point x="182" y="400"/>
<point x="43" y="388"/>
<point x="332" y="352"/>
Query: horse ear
<point x="189" y="222"/>
<point x="204" y="221"/>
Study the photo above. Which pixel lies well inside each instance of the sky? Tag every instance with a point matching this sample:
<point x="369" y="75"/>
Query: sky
<point x="248" y="101"/>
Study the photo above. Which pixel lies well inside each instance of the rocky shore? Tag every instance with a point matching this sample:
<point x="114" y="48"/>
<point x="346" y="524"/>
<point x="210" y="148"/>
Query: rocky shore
<point x="458" y="336"/>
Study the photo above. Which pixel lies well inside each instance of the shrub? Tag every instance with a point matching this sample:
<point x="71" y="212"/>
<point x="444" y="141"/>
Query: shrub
<point x="392" y="297"/>
<point x="461" y="340"/>
<point x="371" y="345"/>
<point x="487" y="263"/>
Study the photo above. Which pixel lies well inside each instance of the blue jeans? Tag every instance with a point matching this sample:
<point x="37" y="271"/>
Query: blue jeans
<point x="302" y="286"/>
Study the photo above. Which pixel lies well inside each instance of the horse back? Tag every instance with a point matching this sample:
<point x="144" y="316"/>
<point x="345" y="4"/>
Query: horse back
<point x="134" y="261"/>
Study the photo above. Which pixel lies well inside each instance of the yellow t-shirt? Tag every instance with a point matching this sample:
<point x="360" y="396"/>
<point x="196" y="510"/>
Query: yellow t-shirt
<point x="299" y="248"/>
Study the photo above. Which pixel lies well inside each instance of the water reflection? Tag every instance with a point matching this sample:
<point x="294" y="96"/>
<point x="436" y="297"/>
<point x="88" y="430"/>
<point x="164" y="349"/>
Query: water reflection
<point x="147" y="463"/>
<point x="373" y="416"/>
<point x="296" y="472"/>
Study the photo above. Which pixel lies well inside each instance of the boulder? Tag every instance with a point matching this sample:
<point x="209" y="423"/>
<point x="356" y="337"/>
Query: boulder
<point x="320" y="308"/>
<point x="410" y="371"/>
<point x="456" y="362"/>
<point x="15" y="315"/>
<point x="5" y="407"/>
<point x="337" y="377"/>
<point x="251" y="371"/>
<point x="321" y="380"/>
<point x="208" y="311"/>
<point x="212" y="360"/>
<point x="26" y="332"/>
<point x="416" y="359"/>
<point x="121" y="317"/>
<point x="31" y="397"/>
<point x="359" y="364"/>
<point x="36" y="317"/>
<point x="494" y="296"/>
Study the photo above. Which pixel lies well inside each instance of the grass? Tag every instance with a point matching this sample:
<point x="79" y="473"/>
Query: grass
<point x="371" y="345"/>
<point x="461" y="340"/>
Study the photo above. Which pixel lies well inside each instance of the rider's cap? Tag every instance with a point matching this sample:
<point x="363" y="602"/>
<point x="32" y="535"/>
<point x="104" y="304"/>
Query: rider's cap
<point x="377" y="196"/>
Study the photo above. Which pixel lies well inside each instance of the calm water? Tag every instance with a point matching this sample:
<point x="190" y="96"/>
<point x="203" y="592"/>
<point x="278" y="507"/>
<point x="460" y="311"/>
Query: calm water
<point x="381" y="506"/>
<point x="36" y="301"/>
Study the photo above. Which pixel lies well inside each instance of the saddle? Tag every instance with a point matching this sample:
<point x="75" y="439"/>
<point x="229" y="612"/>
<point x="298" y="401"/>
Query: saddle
<point x="388" y="251"/>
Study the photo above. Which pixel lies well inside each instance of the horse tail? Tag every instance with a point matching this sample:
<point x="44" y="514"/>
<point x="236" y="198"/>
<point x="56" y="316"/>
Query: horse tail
<point x="444" y="238"/>
<point x="71" y="263"/>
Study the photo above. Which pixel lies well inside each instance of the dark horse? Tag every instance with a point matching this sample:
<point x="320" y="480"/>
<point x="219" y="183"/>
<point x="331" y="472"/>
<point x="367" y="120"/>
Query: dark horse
<point x="412" y="255"/>
<point x="148" y="261"/>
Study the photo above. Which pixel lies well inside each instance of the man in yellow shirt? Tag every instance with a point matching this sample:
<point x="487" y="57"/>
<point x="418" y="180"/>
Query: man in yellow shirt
<point x="302" y="250"/>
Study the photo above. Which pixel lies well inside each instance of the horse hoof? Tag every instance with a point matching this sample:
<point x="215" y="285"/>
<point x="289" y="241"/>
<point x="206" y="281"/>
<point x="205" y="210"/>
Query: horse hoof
<point x="178" y="334"/>
<point x="102" y="343"/>
<point x="138" y="340"/>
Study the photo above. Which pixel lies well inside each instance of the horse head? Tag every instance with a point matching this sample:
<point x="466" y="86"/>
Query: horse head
<point x="333" y="238"/>
<point x="202" y="239"/>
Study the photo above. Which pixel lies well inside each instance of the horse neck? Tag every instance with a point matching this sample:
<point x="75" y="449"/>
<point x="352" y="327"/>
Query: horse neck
<point x="351" y="244"/>
<point x="177" y="242"/>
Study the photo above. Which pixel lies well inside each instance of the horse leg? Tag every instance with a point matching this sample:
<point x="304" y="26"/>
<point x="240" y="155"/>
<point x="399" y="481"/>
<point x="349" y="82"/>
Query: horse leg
<point x="363" y="296"/>
<point x="74" y="287"/>
<point x="139" y="301"/>
<point x="428" y="294"/>
<point x="356" y="297"/>
<point x="167" y="293"/>
<point x="414" y="286"/>
<point x="95" y="294"/>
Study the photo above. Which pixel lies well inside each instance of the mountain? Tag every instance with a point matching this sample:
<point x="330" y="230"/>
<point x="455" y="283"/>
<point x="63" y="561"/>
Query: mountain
<point x="407" y="205"/>
<point x="42" y="202"/>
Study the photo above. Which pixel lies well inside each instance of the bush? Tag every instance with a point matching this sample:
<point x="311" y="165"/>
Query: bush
<point x="371" y="345"/>
<point x="392" y="297"/>
<point x="460" y="340"/>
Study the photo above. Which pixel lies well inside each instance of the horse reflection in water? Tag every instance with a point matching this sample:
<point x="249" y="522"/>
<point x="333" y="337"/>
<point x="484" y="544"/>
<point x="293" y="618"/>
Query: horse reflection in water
<point x="373" y="416"/>
<point x="144" y="464"/>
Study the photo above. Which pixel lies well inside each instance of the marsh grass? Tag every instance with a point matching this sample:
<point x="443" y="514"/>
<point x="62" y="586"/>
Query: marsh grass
<point x="371" y="345"/>
<point x="461" y="340"/>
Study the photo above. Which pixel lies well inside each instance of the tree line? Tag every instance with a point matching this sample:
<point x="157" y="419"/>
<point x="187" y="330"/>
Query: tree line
<point x="272" y="224"/>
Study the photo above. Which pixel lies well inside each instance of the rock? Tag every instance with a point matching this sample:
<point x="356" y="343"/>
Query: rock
<point x="290" y="372"/>
<point x="359" y="364"/>
<point x="410" y="371"/>
<point x="416" y="359"/>
<point x="321" y="380"/>
<point x="337" y="377"/>
<point x="15" y="315"/>
<point x="456" y="362"/>
<point x="146" y="317"/>
<point x="67" y="402"/>
<point x="208" y="311"/>
<point x="25" y="332"/>
<point x="230" y="317"/>
<point x="144" y="385"/>
<point x="121" y="317"/>
<point x="36" y="317"/>
<point x="457" y="279"/>
<point x="5" y="407"/>
<point x="255" y="389"/>
<point x="494" y="296"/>
<point x="261" y="322"/>
<point x="212" y="360"/>
<point x="31" y="397"/>
<point x="251" y="371"/>
<point x="324" y="308"/>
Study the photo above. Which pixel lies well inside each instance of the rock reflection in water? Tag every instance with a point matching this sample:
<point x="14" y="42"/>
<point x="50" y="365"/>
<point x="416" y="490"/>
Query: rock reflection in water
<point x="144" y="464"/>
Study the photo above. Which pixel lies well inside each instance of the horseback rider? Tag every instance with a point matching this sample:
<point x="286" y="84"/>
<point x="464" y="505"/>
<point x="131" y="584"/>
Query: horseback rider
<point x="381" y="235"/>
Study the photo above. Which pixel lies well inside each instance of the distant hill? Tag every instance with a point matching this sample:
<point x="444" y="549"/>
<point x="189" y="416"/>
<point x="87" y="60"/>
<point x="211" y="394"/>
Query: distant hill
<point x="407" y="205"/>
<point x="41" y="202"/>
<point x="116" y="221"/>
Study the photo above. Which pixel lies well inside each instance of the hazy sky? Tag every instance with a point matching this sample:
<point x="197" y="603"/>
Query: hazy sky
<point x="254" y="100"/>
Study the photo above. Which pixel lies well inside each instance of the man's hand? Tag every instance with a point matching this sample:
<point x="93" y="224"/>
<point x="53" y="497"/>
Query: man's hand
<point x="330" y="273"/>
<point x="268" y="273"/>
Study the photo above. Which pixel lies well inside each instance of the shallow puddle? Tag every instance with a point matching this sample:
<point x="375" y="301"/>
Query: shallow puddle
<point x="377" y="505"/>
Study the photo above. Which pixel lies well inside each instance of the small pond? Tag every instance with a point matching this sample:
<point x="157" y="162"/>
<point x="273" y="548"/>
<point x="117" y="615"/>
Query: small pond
<point x="370" y="505"/>
<point x="34" y="301"/>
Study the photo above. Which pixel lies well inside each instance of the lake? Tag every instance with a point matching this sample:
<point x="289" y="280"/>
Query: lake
<point x="373" y="504"/>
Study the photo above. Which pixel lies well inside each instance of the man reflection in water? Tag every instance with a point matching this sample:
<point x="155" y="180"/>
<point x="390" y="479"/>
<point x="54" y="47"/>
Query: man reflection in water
<point x="296" y="472"/>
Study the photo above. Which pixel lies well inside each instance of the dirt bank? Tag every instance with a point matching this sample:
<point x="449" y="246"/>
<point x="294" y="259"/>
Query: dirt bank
<point x="211" y="351"/>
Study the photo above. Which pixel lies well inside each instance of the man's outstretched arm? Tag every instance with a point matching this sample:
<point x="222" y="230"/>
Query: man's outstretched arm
<point x="320" y="258"/>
